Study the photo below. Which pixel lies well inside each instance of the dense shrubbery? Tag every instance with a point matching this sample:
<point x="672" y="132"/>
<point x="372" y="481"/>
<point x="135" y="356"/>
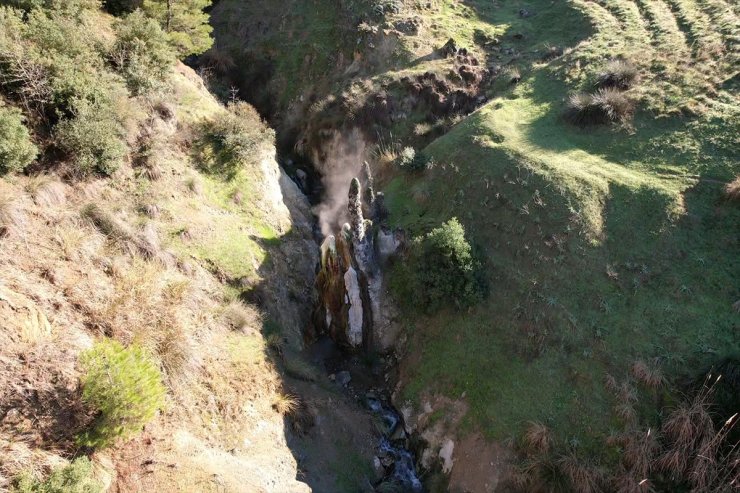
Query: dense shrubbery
<point x="141" y="52"/>
<point x="77" y="477"/>
<point x="16" y="149"/>
<point x="124" y="386"/>
<point x="94" y="137"/>
<point x="185" y="23"/>
<point x="57" y="62"/>
<point x="442" y="269"/>
<point x="232" y="139"/>
<point x="53" y="63"/>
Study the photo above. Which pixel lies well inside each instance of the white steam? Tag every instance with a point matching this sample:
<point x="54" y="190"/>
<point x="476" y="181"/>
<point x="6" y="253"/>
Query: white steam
<point x="343" y="156"/>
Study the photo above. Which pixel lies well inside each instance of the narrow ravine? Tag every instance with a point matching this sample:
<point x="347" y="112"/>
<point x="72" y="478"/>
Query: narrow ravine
<point x="347" y="320"/>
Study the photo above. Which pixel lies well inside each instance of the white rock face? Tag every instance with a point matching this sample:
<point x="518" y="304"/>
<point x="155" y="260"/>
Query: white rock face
<point x="354" y="325"/>
<point x="445" y="453"/>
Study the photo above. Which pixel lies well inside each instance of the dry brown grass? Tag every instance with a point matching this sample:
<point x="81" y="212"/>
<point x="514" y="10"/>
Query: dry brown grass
<point x="242" y="317"/>
<point x="146" y="305"/>
<point x="649" y="375"/>
<point x="285" y="404"/>
<point x="732" y="190"/>
<point x="538" y="438"/>
<point x="584" y="477"/>
<point x="13" y="219"/>
<point x="638" y="450"/>
<point x="46" y="191"/>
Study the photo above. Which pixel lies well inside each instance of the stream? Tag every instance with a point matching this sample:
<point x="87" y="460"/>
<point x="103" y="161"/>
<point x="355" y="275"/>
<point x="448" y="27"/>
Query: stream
<point x="366" y="382"/>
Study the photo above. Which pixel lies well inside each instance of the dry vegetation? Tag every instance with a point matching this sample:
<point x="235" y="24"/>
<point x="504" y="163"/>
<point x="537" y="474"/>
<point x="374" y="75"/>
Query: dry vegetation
<point x="93" y="260"/>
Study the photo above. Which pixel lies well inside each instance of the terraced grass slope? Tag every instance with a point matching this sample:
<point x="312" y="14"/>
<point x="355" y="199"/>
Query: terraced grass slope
<point x="603" y="245"/>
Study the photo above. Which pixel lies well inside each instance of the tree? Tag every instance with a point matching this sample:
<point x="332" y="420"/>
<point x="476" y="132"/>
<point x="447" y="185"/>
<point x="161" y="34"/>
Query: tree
<point x="141" y="53"/>
<point x="185" y="23"/>
<point x="444" y="268"/>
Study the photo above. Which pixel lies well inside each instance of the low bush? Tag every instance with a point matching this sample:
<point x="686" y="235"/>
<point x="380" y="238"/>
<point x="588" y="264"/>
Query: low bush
<point x="618" y="74"/>
<point x="77" y="477"/>
<point x="94" y="137"/>
<point x="123" y="386"/>
<point x="232" y="139"/>
<point x="141" y="53"/>
<point x="410" y="160"/>
<point x="442" y="270"/>
<point x="603" y="106"/>
<point x="185" y="22"/>
<point x="16" y="148"/>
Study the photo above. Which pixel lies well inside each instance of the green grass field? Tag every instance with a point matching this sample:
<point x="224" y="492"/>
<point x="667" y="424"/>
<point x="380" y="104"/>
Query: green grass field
<point x="602" y="245"/>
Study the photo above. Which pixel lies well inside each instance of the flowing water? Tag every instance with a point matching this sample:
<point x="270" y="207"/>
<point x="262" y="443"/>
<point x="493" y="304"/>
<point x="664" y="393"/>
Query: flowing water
<point x="367" y="383"/>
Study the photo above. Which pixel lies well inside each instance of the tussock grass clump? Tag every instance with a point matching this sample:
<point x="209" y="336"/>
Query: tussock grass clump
<point x="12" y="216"/>
<point x="617" y="74"/>
<point x="538" y="438"/>
<point x="606" y="105"/>
<point x="285" y="404"/>
<point x="47" y="192"/>
<point x="106" y="223"/>
<point x="123" y="386"/>
<point x="77" y="477"/>
<point x="649" y="375"/>
<point x="584" y="477"/>
<point x="241" y="317"/>
<point x="732" y="190"/>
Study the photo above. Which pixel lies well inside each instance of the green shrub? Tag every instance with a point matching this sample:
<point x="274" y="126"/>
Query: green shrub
<point x="94" y="137"/>
<point x="124" y="386"/>
<point x="16" y="148"/>
<point x="77" y="477"/>
<point x="442" y="270"/>
<point x="53" y="63"/>
<point x="232" y="139"/>
<point x="185" y="23"/>
<point x="410" y="160"/>
<point x="141" y="53"/>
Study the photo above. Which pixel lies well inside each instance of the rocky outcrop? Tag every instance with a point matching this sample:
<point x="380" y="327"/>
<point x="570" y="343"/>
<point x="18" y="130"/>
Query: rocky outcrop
<point x="353" y="307"/>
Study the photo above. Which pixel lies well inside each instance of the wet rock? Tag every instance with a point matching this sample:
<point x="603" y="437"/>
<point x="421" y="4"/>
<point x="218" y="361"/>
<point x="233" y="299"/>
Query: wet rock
<point x="378" y="469"/>
<point x="387" y="244"/>
<point x="302" y="179"/>
<point x="343" y="378"/>
<point x="355" y="316"/>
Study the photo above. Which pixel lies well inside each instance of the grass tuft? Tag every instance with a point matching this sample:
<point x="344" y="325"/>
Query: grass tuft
<point x="285" y="404"/>
<point x="538" y="438"/>
<point x="604" y="106"/>
<point x="242" y="317"/>
<point x="617" y="74"/>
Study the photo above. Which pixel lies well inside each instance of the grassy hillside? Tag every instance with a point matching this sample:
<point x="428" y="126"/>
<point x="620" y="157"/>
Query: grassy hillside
<point x="603" y="245"/>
